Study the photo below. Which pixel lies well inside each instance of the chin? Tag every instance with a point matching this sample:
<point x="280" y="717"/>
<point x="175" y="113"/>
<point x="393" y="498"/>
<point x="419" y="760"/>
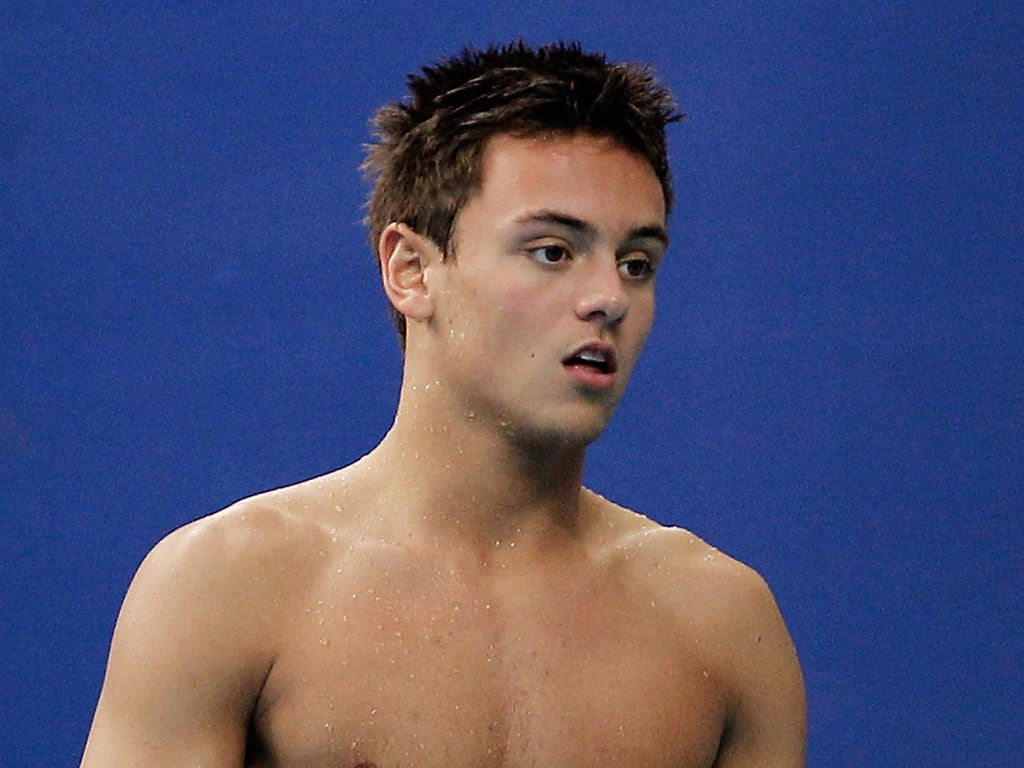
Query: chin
<point x="577" y="434"/>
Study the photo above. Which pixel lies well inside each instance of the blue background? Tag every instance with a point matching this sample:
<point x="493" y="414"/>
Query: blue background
<point x="834" y="391"/>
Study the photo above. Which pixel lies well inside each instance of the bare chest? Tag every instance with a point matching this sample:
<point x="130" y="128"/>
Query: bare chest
<point x="434" y="674"/>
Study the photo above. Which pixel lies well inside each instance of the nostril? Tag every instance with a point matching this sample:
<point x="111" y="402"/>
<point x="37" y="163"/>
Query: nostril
<point x="607" y="309"/>
<point x="614" y="312"/>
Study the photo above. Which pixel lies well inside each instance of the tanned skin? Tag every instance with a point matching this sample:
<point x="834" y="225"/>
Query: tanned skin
<point x="456" y="597"/>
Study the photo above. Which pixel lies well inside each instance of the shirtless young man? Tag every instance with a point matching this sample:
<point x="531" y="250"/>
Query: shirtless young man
<point x="456" y="598"/>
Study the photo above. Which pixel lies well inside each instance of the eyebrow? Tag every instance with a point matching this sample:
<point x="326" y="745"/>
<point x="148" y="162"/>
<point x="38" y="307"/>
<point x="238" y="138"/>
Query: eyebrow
<point x="579" y="226"/>
<point x="651" y="232"/>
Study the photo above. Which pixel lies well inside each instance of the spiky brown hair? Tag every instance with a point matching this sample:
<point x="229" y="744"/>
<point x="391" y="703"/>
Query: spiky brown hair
<point x="426" y="161"/>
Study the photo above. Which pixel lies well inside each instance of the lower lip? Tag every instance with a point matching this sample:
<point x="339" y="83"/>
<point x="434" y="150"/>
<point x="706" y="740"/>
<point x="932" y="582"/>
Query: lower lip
<point x="590" y="377"/>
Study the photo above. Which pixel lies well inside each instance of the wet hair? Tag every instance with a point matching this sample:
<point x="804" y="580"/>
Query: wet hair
<point x="426" y="161"/>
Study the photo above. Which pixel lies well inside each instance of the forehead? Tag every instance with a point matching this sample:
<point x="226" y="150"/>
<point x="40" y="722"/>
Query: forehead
<point x="591" y="177"/>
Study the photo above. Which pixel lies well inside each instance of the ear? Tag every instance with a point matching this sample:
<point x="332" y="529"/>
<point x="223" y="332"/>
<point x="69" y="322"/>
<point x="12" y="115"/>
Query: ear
<point x="404" y="255"/>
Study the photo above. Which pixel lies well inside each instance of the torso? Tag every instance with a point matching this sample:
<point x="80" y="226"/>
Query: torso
<point x="389" y="654"/>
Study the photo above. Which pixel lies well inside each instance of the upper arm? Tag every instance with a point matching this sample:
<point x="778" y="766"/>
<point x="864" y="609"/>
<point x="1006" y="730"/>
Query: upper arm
<point x="185" y="665"/>
<point x="768" y="711"/>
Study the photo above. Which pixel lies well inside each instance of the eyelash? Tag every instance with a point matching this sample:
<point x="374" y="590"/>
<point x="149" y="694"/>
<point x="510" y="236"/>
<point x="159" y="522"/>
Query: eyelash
<point x="646" y="263"/>
<point x="535" y="253"/>
<point x="564" y="254"/>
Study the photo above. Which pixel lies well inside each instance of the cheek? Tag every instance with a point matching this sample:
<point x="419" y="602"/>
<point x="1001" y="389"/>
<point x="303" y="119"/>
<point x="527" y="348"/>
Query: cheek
<point x="507" y="317"/>
<point x="510" y="309"/>
<point x="647" y="316"/>
<point x="527" y="318"/>
<point x="483" y="325"/>
<point x="642" y="317"/>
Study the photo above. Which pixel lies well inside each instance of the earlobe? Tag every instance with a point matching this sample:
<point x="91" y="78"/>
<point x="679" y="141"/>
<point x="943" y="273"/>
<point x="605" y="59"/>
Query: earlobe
<point x="404" y="255"/>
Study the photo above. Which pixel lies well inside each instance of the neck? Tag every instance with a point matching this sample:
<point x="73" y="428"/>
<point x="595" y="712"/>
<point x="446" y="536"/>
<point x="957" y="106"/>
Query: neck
<point x="465" y="474"/>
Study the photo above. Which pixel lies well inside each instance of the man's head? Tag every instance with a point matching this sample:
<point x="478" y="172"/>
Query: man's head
<point x="427" y="160"/>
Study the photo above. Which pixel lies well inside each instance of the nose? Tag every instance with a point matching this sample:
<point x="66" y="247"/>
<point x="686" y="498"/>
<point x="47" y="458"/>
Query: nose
<point x="602" y="296"/>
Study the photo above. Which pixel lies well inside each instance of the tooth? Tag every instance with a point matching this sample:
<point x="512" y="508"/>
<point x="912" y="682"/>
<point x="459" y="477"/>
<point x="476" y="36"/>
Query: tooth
<point x="588" y="354"/>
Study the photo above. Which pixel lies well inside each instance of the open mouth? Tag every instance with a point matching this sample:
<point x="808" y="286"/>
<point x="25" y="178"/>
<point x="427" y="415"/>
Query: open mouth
<point x="599" y="358"/>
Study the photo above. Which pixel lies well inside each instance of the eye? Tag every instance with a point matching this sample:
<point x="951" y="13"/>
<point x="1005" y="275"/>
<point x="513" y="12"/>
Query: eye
<point x="550" y="254"/>
<point x="636" y="268"/>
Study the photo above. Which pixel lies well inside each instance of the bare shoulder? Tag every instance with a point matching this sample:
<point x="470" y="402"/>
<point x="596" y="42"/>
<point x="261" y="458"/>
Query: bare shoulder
<point x="198" y="633"/>
<point x="219" y="585"/>
<point x="691" y="576"/>
<point x="725" y="614"/>
<point x="258" y="544"/>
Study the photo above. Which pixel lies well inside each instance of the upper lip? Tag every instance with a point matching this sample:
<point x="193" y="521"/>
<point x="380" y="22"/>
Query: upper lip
<point x="595" y="352"/>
